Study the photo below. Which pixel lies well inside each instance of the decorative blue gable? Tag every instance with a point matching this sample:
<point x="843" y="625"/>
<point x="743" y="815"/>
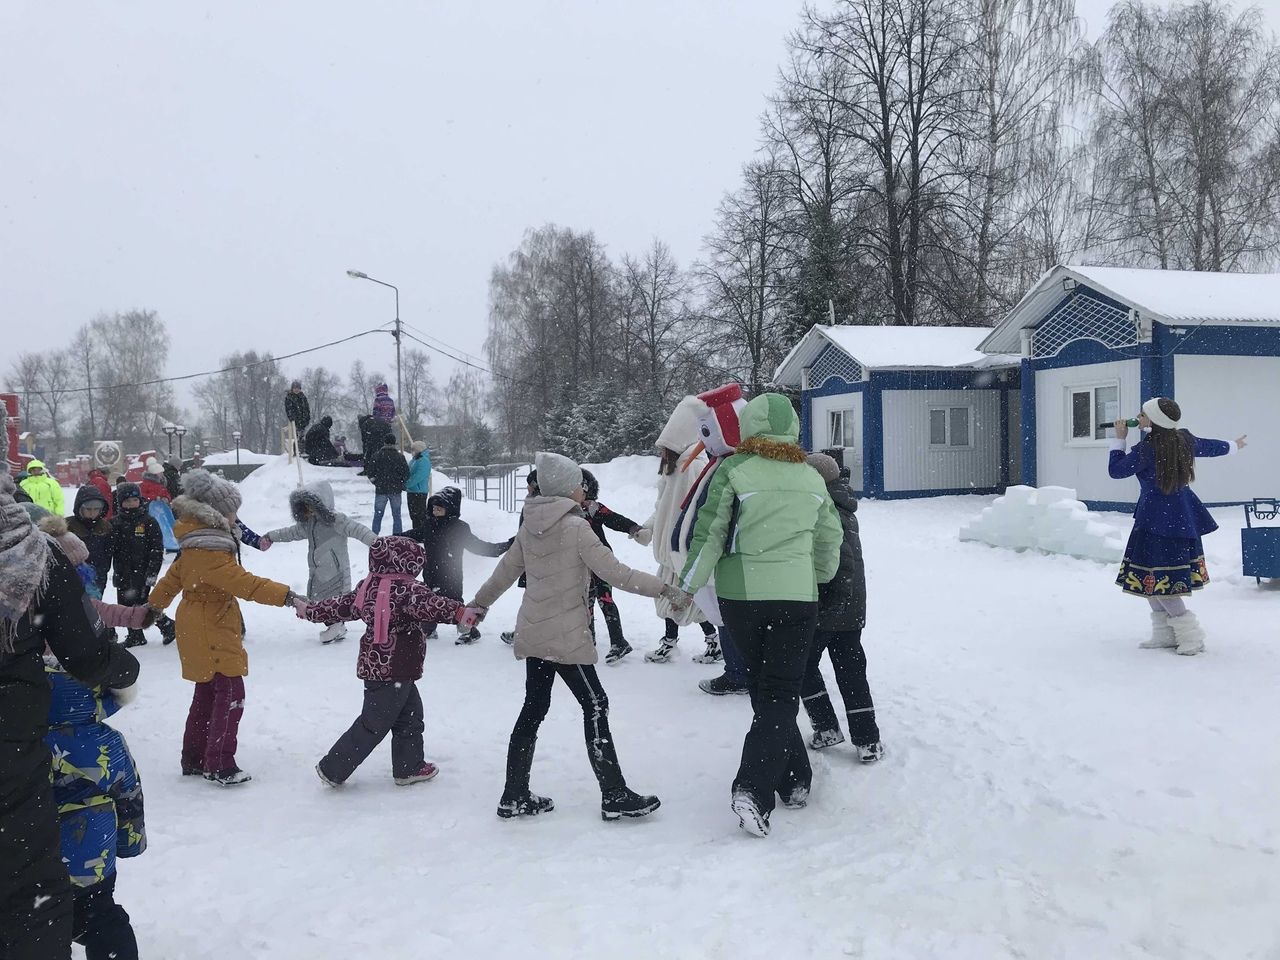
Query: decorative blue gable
<point x="833" y="363"/>
<point x="1084" y="315"/>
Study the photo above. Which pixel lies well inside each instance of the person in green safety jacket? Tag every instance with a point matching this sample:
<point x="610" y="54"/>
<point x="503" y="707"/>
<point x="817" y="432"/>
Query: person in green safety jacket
<point x="43" y="489"/>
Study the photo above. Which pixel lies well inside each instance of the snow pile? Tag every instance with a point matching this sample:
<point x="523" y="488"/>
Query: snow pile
<point x="229" y="457"/>
<point x="1049" y="519"/>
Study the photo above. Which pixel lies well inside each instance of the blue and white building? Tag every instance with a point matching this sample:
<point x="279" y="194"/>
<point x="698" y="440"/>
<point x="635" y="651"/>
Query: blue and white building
<point x="917" y="411"/>
<point x="1095" y="342"/>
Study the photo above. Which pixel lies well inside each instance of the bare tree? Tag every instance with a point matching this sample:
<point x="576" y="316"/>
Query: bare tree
<point x="418" y="388"/>
<point x="742" y="275"/>
<point x="24" y="378"/>
<point x="662" y="322"/>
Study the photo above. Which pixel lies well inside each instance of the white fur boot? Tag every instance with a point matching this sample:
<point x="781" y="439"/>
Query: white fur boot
<point x="1189" y="634"/>
<point x="1161" y="633"/>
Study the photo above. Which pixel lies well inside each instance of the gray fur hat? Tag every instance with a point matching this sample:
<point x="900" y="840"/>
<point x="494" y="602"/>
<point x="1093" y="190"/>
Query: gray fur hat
<point x="826" y="466"/>
<point x="218" y="493"/>
<point x="557" y="476"/>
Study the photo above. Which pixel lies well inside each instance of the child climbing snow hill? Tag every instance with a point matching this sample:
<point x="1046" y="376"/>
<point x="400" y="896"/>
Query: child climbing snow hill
<point x="209" y="623"/>
<point x="446" y="536"/>
<point x="1164" y="558"/>
<point x="397" y="612"/>
<point x="599" y="517"/>
<point x="326" y="532"/>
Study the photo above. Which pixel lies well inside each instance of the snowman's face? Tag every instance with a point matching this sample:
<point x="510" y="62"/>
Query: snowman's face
<point x="712" y="436"/>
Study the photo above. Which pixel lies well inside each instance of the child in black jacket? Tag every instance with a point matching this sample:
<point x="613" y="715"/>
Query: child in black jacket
<point x="89" y="522"/>
<point x="599" y="517"/>
<point x="137" y="552"/>
<point x="446" y="536"/>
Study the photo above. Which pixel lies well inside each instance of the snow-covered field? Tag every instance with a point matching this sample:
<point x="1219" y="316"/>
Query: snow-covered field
<point x="1049" y="790"/>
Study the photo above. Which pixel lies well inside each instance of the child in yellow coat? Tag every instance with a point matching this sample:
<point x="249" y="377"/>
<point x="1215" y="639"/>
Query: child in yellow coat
<point x="210" y="635"/>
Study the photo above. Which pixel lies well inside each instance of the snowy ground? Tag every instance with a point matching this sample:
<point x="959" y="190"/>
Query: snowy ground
<point x="1049" y="790"/>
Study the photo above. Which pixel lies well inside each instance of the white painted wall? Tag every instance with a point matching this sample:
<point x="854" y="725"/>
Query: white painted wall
<point x="911" y="464"/>
<point x="820" y="407"/>
<point x="1081" y="467"/>
<point x="1221" y="398"/>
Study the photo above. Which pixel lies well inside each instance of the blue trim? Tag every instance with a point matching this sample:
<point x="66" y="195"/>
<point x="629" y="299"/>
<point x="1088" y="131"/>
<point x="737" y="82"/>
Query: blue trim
<point x="1004" y="438"/>
<point x="949" y="492"/>
<point x="1028" y="423"/>
<point x="941" y="379"/>
<point x="1219" y="341"/>
<point x="1082" y="353"/>
<point x="833" y="387"/>
<point x="1163" y="344"/>
<point x="872" y="441"/>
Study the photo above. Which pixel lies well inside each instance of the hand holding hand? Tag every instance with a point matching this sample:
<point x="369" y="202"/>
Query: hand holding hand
<point x="1121" y="428"/>
<point x="470" y="616"/>
<point x="264" y="544"/>
<point x="300" y="607"/>
<point x="678" y="599"/>
<point x="151" y="617"/>
<point x="1240" y="441"/>
<point x="643" y="536"/>
<point x="151" y="581"/>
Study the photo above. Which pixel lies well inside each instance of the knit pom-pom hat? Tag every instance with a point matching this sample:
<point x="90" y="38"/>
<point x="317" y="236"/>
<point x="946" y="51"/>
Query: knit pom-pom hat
<point x="222" y="495"/>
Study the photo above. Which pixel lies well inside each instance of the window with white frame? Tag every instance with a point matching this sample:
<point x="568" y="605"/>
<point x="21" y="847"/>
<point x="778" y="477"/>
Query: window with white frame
<point x="1091" y="409"/>
<point x="950" y="427"/>
<point x="840" y="428"/>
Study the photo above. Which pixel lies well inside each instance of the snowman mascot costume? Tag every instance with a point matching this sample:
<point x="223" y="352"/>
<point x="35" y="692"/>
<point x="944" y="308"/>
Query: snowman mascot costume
<point x="717" y="437"/>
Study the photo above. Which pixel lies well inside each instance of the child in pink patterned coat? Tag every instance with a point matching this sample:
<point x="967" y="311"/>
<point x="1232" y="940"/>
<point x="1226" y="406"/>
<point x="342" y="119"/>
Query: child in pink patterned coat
<point x="399" y="612"/>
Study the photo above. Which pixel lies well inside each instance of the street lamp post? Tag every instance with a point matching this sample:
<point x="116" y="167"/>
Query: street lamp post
<point x="169" y="430"/>
<point x="181" y="431"/>
<point x="360" y="275"/>
<point x="235" y="435"/>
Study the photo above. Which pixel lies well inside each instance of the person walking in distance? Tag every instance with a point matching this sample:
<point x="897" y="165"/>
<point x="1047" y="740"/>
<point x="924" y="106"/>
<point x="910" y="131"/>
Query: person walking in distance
<point x="418" y="487"/>
<point x="389" y="473"/>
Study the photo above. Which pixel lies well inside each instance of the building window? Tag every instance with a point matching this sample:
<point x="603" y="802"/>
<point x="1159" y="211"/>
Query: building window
<point x="1091" y="410"/>
<point x="840" y="428"/>
<point x="951" y="427"/>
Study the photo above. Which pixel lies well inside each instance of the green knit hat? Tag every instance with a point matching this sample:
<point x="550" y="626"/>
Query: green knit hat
<point x="772" y="417"/>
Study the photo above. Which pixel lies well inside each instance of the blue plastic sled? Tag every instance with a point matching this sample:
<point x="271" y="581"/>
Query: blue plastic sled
<point x="163" y="514"/>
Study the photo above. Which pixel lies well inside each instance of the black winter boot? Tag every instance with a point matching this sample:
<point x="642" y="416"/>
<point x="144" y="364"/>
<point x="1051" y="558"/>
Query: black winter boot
<point x="527" y="805"/>
<point x="168" y="629"/>
<point x="625" y="802"/>
<point x="136" y="638"/>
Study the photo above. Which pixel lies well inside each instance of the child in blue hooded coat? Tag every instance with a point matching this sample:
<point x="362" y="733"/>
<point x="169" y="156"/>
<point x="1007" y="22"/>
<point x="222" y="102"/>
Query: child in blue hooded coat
<point x="99" y="797"/>
<point x="1164" y="559"/>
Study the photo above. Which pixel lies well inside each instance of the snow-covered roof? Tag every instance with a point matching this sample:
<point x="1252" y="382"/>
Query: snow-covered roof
<point x="892" y="348"/>
<point x="1166" y="296"/>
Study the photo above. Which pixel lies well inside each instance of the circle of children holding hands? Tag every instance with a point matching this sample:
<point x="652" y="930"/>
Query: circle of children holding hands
<point x="754" y="541"/>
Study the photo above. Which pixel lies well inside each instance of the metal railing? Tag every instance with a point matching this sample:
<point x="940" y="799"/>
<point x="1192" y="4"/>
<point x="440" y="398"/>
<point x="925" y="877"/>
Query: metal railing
<point x="500" y="483"/>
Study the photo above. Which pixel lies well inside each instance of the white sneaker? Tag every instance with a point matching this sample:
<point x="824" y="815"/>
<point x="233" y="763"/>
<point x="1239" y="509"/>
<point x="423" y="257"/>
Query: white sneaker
<point x="666" y="650"/>
<point x="333" y="633"/>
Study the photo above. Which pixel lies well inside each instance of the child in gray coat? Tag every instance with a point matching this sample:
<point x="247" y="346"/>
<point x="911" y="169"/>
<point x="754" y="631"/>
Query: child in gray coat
<point x="326" y="532"/>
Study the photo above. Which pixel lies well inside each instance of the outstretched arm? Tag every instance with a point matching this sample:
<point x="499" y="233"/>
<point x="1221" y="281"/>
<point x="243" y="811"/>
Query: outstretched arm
<point x="483" y="547"/>
<point x="334" y="610"/>
<point x="601" y="561"/>
<point x="504" y="575"/>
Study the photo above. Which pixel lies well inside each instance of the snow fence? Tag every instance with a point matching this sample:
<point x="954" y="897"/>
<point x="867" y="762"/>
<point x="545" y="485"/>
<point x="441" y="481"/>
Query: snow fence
<point x="1045" y="518"/>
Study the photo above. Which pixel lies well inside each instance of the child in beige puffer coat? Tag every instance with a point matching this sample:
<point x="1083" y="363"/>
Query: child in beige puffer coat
<point x="558" y="551"/>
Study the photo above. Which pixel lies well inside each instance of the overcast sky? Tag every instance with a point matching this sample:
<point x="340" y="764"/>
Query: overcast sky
<point x="226" y="163"/>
